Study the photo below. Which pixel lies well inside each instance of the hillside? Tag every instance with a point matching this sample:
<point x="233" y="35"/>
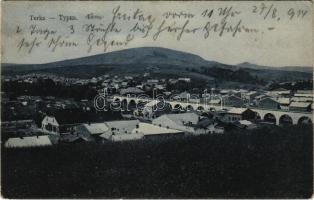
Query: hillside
<point x="136" y="60"/>
<point x="284" y="68"/>
<point x="135" y="56"/>
<point x="246" y="164"/>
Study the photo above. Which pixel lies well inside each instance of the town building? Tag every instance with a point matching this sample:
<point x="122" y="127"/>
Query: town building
<point x="268" y="103"/>
<point x="184" y="121"/>
<point x="63" y="121"/>
<point x="279" y="92"/>
<point x="237" y="114"/>
<point x="32" y="141"/>
<point x="91" y="129"/>
<point x="206" y="126"/>
<point x="187" y="80"/>
<point x="252" y="95"/>
<point x="300" y="106"/>
<point x="131" y="90"/>
<point x="245" y="124"/>
<point x="152" y="81"/>
<point x="186" y="97"/>
<point x="154" y="131"/>
<point x="304" y="93"/>
<point x="121" y="130"/>
<point x="233" y="100"/>
<point x="283" y="103"/>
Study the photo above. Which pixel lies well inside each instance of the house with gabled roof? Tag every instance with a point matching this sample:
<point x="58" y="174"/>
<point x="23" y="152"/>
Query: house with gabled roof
<point x="233" y="100"/>
<point x="237" y="114"/>
<point x="268" y="103"/>
<point x="63" y="121"/>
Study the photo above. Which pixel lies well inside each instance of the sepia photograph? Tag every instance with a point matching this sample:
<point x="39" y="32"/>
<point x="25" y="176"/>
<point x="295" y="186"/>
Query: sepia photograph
<point x="156" y="99"/>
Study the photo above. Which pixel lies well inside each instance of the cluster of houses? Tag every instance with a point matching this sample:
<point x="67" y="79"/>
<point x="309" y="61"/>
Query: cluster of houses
<point x="34" y="77"/>
<point x="278" y="99"/>
<point x="146" y="122"/>
<point x="119" y="130"/>
<point x="60" y="128"/>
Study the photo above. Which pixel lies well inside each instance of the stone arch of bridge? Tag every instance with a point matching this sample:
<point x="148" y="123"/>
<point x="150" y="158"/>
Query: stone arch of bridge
<point x="189" y="108"/>
<point x="116" y="99"/>
<point x="132" y="103"/>
<point x="201" y="108"/>
<point x="304" y="120"/>
<point x="269" y="117"/>
<point x="285" y="119"/>
<point x="177" y="107"/>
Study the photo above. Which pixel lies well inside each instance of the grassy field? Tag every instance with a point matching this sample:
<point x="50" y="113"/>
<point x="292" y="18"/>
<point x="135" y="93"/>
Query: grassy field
<point x="269" y="162"/>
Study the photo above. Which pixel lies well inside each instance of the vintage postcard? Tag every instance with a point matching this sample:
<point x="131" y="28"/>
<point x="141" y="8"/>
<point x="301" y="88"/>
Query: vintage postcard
<point x="156" y="99"/>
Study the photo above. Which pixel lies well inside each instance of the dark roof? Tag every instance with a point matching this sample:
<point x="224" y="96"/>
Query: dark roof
<point x="69" y="116"/>
<point x="77" y="116"/>
<point x="205" y="123"/>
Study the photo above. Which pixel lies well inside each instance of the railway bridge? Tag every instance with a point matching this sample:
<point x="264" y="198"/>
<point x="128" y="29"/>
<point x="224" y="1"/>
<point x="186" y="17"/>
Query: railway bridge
<point x="274" y="116"/>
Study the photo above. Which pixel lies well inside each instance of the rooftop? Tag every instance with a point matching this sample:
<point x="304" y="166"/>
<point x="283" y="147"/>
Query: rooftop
<point x="96" y="128"/>
<point x="28" y="141"/>
<point x="283" y="100"/>
<point x="183" y="117"/>
<point x="122" y="126"/>
<point x="237" y="110"/>
<point x="150" y="129"/>
<point x="300" y="104"/>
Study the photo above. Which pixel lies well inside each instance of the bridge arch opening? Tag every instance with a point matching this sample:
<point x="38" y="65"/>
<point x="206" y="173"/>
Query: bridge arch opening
<point x="115" y="105"/>
<point x="132" y="104"/>
<point x="200" y="108"/>
<point x="189" y="108"/>
<point x="177" y="107"/>
<point x="285" y="120"/>
<point x="212" y="109"/>
<point x="304" y="120"/>
<point x="169" y="106"/>
<point x="270" y="118"/>
<point x="116" y="100"/>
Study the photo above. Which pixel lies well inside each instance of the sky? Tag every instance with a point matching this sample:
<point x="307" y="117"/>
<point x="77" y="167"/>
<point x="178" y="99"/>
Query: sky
<point x="289" y="43"/>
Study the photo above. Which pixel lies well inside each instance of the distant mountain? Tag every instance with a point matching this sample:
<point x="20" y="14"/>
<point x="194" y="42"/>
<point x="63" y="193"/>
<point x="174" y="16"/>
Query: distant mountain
<point x="285" y="68"/>
<point x="134" y="56"/>
<point x="136" y="60"/>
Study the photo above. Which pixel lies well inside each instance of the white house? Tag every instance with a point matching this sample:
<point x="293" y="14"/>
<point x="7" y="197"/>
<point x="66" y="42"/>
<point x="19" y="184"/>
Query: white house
<point x="149" y="108"/>
<point x="63" y="121"/>
<point x="283" y="103"/>
<point x="50" y="124"/>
